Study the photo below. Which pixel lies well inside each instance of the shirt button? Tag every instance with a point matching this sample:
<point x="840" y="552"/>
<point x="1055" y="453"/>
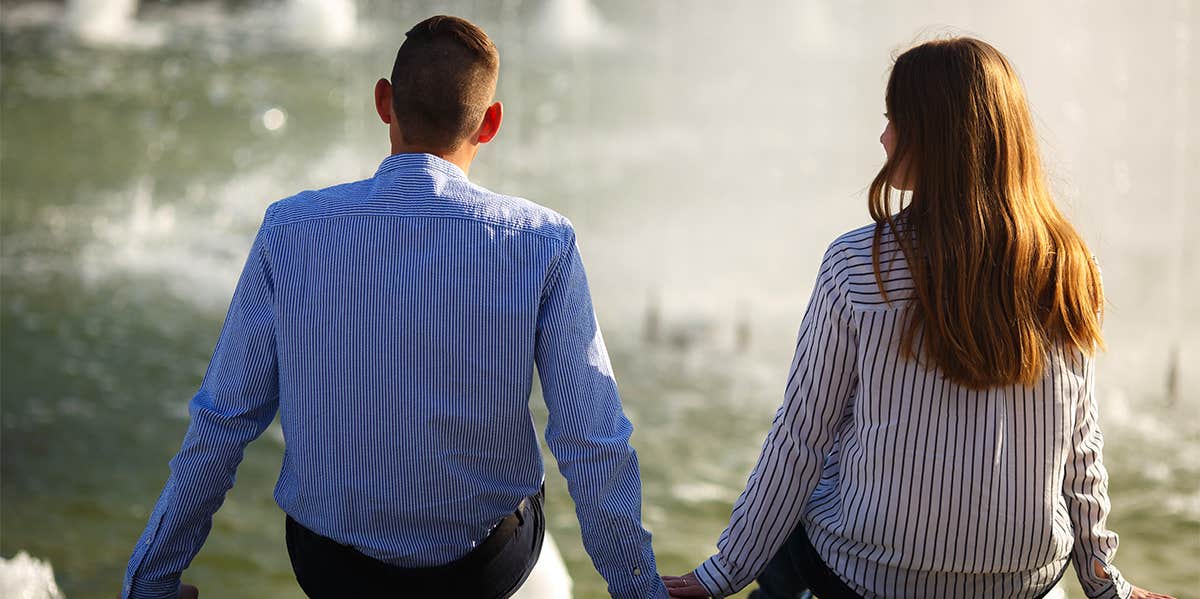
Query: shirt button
<point x="637" y="571"/>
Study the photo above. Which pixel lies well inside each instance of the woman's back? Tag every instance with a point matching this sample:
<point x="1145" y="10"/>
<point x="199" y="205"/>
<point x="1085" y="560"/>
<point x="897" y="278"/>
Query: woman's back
<point x="907" y="483"/>
<point x="938" y="435"/>
<point x="931" y="486"/>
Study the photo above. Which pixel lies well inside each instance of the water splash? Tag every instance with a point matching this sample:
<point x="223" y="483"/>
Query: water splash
<point x="322" y="23"/>
<point x="108" y="22"/>
<point x="26" y="577"/>
<point x="575" y="24"/>
<point x="100" y="20"/>
<point x="319" y="24"/>
<point x="196" y="253"/>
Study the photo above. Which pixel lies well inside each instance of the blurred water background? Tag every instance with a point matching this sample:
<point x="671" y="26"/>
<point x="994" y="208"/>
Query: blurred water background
<point x="707" y="152"/>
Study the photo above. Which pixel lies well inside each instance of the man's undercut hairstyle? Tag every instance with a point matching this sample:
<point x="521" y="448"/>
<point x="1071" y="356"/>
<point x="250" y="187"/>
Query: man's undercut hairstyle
<point x="443" y="81"/>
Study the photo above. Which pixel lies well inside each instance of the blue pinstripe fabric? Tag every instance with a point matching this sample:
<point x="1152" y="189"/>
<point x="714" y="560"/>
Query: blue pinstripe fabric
<point x="393" y="324"/>
<point x="908" y="485"/>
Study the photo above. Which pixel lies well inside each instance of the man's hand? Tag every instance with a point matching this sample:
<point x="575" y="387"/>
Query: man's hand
<point x="188" y="591"/>
<point x="685" y="586"/>
<point x="1144" y="594"/>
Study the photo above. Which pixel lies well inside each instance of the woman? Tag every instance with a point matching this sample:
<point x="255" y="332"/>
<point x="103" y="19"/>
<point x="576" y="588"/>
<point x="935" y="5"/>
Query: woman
<point x="938" y="437"/>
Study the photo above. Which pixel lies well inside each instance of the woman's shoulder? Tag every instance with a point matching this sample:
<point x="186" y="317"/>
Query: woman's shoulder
<point x="858" y="244"/>
<point x="854" y="241"/>
<point x="849" y="262"/>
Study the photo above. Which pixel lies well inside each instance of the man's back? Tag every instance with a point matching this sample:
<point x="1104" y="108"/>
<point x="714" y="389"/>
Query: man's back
<point x="394" y="325"/>
<point x="406" y="318"/>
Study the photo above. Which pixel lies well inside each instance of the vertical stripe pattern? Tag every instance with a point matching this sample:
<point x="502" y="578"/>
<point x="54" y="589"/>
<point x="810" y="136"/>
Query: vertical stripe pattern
<point x="908" y="484"/>
<point x="394" y="324"/>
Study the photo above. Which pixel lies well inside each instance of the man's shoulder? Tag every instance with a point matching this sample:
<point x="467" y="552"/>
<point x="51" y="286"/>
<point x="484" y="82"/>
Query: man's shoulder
<point x="511" y="212"/>
<point x="316" y="203"/>
<point x="466" y="201"/>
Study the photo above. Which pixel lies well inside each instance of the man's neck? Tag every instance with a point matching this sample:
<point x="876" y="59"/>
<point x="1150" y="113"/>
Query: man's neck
<point x="462" y="156"/>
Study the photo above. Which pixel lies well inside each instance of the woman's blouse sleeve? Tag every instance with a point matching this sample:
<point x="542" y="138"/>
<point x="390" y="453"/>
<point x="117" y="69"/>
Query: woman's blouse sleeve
<point x="820" y="385"/>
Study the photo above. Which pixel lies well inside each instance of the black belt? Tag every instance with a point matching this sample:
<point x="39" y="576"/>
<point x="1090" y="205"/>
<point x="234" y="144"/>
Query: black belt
<point x="436" y="576"/>
<point x="488" y="549"/>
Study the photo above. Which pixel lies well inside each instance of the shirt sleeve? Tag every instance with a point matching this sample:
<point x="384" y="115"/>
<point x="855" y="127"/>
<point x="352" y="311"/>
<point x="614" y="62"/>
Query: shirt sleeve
<point x="822" y="380"/>
<point x="1085" y="488"/>
<point x="588" y="433"/>
<point x="237" y="400"/>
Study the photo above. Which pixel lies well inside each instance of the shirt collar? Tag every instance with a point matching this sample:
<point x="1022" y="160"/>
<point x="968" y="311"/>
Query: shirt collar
<point x="417" y="161"/>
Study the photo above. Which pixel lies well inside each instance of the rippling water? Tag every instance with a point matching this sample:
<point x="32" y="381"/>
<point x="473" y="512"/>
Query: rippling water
<point x="707" y="155"/>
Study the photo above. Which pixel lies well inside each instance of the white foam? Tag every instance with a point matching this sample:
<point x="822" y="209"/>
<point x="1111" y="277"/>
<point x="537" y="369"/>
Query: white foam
<point x="33" y="14"/>
<point x="26" y="577"/>
<point x="196" y="253"/>
<point x="100" y="19"/>
<point x="575" y="24"/>
<point x="322" y="23"/>
<point x="108" y="22"/>
<point x="318" y="24"/>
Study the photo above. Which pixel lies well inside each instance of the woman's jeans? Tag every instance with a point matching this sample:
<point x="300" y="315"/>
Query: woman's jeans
<point x="798" y="572"/>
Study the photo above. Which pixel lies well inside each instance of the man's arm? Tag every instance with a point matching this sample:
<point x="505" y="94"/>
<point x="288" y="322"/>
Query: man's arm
<point x="589" y="433"/>
<point x="237" y="401"/>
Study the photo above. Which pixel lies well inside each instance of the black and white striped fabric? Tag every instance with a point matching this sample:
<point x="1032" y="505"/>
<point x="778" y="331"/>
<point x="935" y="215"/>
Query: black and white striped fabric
<point x="908" y="484"/>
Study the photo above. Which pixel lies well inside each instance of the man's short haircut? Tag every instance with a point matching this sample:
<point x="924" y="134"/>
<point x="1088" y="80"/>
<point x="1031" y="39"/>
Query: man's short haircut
<point x="443" y="81"/>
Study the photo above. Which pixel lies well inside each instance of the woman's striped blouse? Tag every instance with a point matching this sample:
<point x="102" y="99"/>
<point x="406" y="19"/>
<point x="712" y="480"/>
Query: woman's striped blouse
<point x="908" y="484"/>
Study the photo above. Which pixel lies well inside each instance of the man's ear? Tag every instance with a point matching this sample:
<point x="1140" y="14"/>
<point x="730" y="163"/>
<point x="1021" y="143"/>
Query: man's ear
<point x="383" y="100"/>
<point x="491" y="123"/>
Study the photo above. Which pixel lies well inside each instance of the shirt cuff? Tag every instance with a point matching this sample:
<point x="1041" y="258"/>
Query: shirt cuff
<point x="167" y="588"/>
<point x="715" y="577"/>
<point x="644" y="584"/>
<point x="1114" y="587"/>
<point x="1112" y="591"/>
<point x="1117" y="589"/>
<point x="656" y="588"/>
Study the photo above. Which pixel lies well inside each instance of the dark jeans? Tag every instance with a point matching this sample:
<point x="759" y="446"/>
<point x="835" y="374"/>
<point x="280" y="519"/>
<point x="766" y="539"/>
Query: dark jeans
<point x="797" y="572"/>
<point x="797" y="569"/>
<point x="495" y="569"/>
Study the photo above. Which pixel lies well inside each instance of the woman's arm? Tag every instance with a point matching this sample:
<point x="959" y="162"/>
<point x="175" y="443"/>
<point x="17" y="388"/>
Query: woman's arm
<point x="1085" y="487"/>
<point x="822" y="380"/>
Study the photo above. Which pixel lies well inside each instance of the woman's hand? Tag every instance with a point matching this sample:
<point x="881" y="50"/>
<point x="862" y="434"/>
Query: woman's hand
<point x="1143" y="594"/>
<point x="685" y="586"/>
<point x="188" y="591"/>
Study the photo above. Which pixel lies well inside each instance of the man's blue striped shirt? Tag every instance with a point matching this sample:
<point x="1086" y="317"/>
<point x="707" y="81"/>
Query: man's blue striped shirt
<point x="394" y="323"/>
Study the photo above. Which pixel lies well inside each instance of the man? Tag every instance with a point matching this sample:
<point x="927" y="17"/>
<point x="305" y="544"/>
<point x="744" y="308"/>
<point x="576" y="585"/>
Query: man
<point x="394" y="324"/>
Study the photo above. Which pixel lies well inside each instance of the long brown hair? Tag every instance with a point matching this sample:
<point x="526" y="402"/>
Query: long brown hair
<point x="998" y="273"/>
